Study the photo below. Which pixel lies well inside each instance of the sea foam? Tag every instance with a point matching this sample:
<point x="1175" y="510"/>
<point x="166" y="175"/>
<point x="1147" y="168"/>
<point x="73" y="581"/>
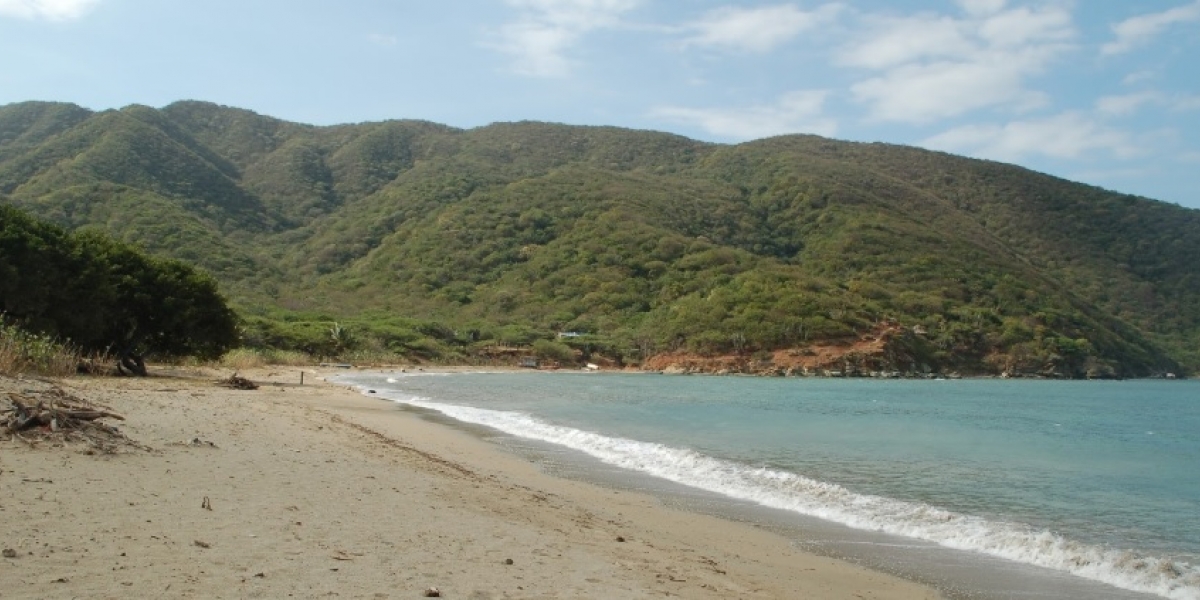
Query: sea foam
<point x="789" y="491"/>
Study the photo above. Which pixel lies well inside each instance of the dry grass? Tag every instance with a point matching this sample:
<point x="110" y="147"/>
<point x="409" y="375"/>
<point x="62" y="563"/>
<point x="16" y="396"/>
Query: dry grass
<point x="246" y="358"/>
<point x="22" y="352"/>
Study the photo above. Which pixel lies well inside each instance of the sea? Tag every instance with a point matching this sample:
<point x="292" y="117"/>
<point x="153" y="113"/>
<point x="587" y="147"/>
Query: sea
<point x="983" y="488"/>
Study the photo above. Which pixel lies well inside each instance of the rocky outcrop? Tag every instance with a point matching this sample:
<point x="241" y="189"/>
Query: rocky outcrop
<point x="888" y="350"/>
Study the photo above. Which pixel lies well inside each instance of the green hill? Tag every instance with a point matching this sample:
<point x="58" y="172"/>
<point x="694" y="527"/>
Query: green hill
<point x="647" y="242"/>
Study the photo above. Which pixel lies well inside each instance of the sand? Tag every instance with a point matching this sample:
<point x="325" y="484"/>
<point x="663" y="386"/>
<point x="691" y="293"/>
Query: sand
<point x="317" y="491"/>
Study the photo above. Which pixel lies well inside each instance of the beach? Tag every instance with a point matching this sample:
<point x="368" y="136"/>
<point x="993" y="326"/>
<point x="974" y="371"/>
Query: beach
<point x="316" y="490"/>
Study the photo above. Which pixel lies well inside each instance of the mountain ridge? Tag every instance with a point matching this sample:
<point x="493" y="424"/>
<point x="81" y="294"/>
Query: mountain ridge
<point x="648" y="240"/>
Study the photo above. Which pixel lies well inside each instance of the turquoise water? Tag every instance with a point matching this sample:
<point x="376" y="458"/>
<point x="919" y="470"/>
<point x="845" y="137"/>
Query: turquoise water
<point x="1097" y="479"/>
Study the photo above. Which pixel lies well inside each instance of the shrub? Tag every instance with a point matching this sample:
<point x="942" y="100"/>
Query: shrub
<point x="249" y="358"/>
<point x="22" y="352"/>
<point x="546" y="349"/>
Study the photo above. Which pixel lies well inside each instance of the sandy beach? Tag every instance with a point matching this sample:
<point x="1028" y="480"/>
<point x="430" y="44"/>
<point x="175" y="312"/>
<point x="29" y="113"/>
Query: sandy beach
<point x="315" y="490"/>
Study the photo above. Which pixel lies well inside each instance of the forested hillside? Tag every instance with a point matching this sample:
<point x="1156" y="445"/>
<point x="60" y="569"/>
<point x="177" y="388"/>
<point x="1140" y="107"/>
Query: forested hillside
<point x="427" y="240"/>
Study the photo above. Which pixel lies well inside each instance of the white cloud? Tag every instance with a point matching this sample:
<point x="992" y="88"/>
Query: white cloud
<point x="926" y="92"/>
<point x="575" y="14"/>
<point x="908" y="39"/>
<point x="1140" y="76"/>
<point x="931" y="66"/>
<point x="1126" y="104"/>
<point x="52" y="10"/>
<point x="1021" y="26"/>
<point x="539" y="49"/>
<point x="982" y="7"/>
<point x="1067" y="135"/>
<point x="546" y="29"/>
<point x="1185" y="103"/>
<point x="756" y="29"/>
<point x="1140" y="29"/>
<point x="795" y="112"/>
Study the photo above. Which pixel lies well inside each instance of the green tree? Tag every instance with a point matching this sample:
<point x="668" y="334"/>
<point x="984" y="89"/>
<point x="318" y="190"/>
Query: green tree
<point x="107" y="296"/>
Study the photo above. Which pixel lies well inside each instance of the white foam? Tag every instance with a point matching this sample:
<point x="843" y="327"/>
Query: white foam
<point x="789" y="491"/>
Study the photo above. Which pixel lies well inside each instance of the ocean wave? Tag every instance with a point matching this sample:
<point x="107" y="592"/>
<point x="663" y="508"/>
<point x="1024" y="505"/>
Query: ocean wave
<point x="789" y="491"/>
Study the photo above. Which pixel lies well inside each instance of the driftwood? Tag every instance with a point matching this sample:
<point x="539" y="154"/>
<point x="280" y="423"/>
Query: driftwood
<point x="238" y="382"/>
<point x="55" y="413"/>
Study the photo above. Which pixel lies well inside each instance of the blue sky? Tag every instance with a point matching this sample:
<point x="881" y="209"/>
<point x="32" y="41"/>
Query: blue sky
<point x="1104" y="92"/>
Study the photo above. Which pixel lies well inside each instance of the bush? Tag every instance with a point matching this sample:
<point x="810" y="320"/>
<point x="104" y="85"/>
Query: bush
<point x="548" y="350"/>
<point x="249" y="358"/>
<point x="22" y="352"/>
<point x="107" y="296"/>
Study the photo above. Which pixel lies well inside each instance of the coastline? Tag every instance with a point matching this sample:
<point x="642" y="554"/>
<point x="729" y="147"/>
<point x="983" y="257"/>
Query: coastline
<point x="722" y="367"/>
<point x="589" y="431"/>
<point x="317" y="490"/>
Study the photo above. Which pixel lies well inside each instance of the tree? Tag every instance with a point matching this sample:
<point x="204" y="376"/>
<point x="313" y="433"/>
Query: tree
<point x="107" y="296"/>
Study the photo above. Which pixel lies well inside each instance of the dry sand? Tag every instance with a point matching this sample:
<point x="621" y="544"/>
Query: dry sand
<point x="317" y="491"/>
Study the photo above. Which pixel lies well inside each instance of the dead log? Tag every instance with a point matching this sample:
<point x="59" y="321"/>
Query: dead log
<point x="89" y="415"/>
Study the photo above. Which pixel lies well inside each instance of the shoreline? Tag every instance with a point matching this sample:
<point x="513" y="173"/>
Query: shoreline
<point x="959" y="571"/>
<point x="705" y="372"/>
<point x="319" y="490"/>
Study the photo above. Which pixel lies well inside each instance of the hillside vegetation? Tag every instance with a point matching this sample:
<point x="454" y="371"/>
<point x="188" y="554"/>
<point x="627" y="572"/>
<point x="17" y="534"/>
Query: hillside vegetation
<point x="434" y="242"/>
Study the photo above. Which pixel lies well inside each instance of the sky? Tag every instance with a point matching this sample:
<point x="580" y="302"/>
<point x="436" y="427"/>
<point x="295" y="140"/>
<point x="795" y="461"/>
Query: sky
<point x="1106" y="92"/>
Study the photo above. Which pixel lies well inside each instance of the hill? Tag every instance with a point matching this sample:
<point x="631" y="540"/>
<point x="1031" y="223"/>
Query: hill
<point x="648" y="244"/>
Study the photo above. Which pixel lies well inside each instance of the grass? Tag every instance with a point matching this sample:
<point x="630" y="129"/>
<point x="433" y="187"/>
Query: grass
<point x="24" y="353"/>
<point x="249" y="358"/>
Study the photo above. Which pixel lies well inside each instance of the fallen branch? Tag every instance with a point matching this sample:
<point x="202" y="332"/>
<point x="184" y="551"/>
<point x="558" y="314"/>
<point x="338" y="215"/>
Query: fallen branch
<point x="56" y="413"/>
<point x="24" y="415"/>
